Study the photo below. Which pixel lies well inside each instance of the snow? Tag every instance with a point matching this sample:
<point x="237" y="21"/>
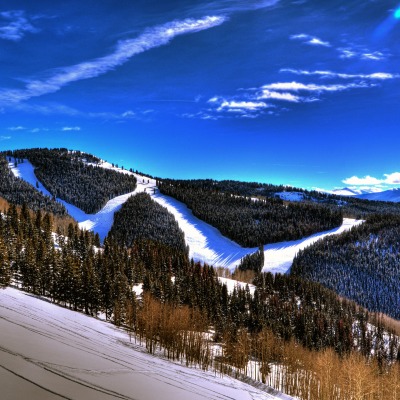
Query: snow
<point x="373" y="193"/>
<point x="49" y="352"/>
<point x="206" y="243"/>
<point x="290" y="196"/>
<point x="279" y="256"/>
<point x="387" y="195"/>
<point x="232" y="283"/>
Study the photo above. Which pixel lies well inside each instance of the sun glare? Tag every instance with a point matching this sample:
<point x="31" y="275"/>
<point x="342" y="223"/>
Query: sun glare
<point x="397" y="13"/>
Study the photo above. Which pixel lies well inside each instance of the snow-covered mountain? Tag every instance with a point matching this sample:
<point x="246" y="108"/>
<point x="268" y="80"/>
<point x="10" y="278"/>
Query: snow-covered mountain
<point x="387" y="195"/>
<point x="369" y="194"/>
<point x="49" y="352"/>
<point x="206" y="243"/>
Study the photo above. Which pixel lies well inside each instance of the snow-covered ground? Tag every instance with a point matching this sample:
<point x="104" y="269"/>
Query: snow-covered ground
<point x="205" y="242"/>
<point x="48" y="352"/>
<point x="290" y="196"/>
<point x="231" y="284"/>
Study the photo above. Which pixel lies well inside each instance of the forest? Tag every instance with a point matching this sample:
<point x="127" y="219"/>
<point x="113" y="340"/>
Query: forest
<point x="292" y="332"/>
<point x="17" y="191"/>
<point x="351" y="207"/>
<point x="251" y="222"/>
<point x="362" y="264"/>
<point x="141" y="218"/>
<point x="286" y="316"/>
<point x="75" y="177"/>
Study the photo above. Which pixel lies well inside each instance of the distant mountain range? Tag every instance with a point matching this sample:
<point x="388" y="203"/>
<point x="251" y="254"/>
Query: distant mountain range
<point x="386" y="195"/>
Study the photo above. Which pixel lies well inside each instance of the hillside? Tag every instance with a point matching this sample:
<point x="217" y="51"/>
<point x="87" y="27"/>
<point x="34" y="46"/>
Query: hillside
<point x="75" y="177"/>
<point x="148" y="284"/>
<point x="362" y="264"/>
<point x="206" y="243"/>
<point x="251" y="222"/>
<point x="15" y="188"/>
<point x="49" y="352"/>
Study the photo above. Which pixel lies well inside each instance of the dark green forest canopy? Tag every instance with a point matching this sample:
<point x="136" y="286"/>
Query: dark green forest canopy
<point x="350" y="206"/>
<point x="67" y="175"/>
<point x="19" y="192"/>
<point x="251" y="222"/>
<point x="362" y="264"/>
<point x="76" y="275"/>
<point x="141" y="218"/>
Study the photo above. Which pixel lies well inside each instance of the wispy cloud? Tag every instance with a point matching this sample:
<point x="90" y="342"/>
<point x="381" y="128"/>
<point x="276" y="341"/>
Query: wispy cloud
<point x="16" y="128"/>
<point x="375" y="56"/>
<point x="311" y="87"/>
<point x="60" y="109"/>
<point x="311" y="40"/>
<point x="71" y="128"/>
<point x="272" y="95"/>
<point x="330" y="74"/>
<point x="362" y="54"/>
<point x="125" y="49"/>
<point x="14" y="25"/>
<point x="251" y="103"/>
<point x="5" y="138"/>
<point x="241" y="106"/>
<point x="390" y="179"/>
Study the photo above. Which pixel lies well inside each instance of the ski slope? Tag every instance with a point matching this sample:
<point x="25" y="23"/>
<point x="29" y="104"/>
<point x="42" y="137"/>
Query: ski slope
<point x="49" y="352"/>
<point x="206" y="243"/>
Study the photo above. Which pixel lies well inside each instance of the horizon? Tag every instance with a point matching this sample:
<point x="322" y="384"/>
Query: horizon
<point x="296" y="93"/>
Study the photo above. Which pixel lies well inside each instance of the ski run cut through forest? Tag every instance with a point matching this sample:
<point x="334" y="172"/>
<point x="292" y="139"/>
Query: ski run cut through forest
<point x="206" y="243"/>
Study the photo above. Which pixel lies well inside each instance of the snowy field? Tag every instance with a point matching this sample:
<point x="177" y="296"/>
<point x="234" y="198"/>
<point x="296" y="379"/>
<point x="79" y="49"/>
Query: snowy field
<point x="205" y="242"/>
<point x="48" y="352"/>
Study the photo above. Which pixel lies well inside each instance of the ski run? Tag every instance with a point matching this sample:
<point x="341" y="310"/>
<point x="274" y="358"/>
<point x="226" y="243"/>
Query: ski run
<point x="206" y="243"/>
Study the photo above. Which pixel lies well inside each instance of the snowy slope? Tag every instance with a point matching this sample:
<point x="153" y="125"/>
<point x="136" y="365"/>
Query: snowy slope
<point x="290" y="196"/>
<point x="205" y="242"/>
<point x="387" y="195"/>
<point x="48" y="352"/>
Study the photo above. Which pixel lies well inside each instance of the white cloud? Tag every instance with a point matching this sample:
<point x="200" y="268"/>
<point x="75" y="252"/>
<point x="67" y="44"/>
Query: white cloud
<point x="367" y="180"/>
<point x="330" y="74"/>
<point x="71" y="128"/>
<point x="5" y="138"/>
<point x="268" y="94"/>
<point x="128" y="114"/>
<point x="126" y="49"/>
<point x="390" y="179"/>
<point x="375" y="56"/>
<point x="311" y="87"/>
<point x="241" y="106"/>
<point x="347" y="53"/>
<point x="318" y="42"/>
<point x="311" y="40"/>
<point x="16" y="128"/>
<point x="362" y="54"/>
<point x="14" y="25"/>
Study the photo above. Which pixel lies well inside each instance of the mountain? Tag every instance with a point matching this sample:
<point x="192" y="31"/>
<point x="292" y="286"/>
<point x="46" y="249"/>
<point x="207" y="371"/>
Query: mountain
<point x="392" y="195"/>
<point x="350" y="192"/>
<point x="173" y="305"/>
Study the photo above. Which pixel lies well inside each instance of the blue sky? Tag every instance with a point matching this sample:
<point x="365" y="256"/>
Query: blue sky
<point x="304" y="93"/>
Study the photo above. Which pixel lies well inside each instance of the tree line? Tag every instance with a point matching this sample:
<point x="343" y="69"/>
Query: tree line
<point x="362" y="264"/>
<point x="251" y="222"/>
<point x="140" y="218"/>
<point x="284" y="322"/>
<point x="75" y="177"/>
<point x="350" y="206"/>
<point x="17" y="191"/>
